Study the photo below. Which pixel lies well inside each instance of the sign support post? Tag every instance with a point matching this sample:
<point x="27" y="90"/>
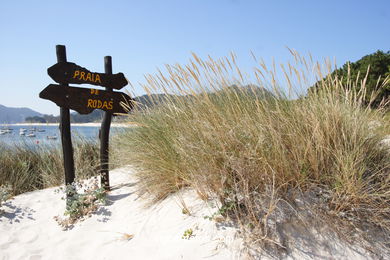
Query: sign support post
<point x="105" y="133"/>
<point x="84" y="101"/>
<point x="67" y="149"/>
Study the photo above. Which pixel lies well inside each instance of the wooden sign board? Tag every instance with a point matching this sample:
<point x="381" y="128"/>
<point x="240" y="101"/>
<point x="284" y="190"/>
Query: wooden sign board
<point x="85" y="100"/>
<point x="67" y="72"/>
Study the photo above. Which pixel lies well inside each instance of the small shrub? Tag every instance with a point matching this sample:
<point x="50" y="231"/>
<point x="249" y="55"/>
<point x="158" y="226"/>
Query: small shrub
<point x="82" y="200"/>
<point x="223" y="211"/>
<point x="185" y="211"/>
<point x="188" y="234"/>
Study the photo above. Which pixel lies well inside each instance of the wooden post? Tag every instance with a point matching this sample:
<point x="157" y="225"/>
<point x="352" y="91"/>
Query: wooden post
<point x="105" y="134"/>
<point x="66" y="140"/>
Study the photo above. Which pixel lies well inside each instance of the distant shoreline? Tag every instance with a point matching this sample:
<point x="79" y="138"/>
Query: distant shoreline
<point x="72" y="124"/>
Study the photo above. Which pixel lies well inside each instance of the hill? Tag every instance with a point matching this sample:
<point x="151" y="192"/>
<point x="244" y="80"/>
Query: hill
<point x="19" y="115"/>
<point x="149" y="101"/>
<point x="75" y="117"/>
<point x="378" y="67"/>
<point x="11" y="115"/>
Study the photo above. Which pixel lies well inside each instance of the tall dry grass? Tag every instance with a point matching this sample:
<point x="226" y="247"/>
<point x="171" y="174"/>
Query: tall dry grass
<point x="249" y="144"/>
<point x="25" y="168"/>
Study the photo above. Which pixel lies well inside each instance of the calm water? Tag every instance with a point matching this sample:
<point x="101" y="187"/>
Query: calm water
<point x="48" y="135"/>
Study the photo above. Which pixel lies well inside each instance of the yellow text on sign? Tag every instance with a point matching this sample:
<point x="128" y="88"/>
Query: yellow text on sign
<point x="94" y="91"/>
<point x="96" y="103"/>
<point x="87" y="76"/>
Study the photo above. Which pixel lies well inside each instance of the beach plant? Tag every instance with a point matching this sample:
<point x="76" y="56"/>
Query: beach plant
<point x="261" y="147"/>
<point x="29" y="167"/>
<point x="188" y="233"/>
<point x="79" y="205"/>
<point x="222" y="211"/>
<point x="82" y="200"/>
<point x="185" y="211"/>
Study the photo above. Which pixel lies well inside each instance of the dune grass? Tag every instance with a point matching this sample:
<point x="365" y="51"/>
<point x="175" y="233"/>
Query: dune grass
<point x="255" y="151"/>
<point x="23" y="168"/>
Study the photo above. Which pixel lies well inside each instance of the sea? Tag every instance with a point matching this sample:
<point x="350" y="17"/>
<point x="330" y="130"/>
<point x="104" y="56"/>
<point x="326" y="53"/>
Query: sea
<point x="47" y="135"/>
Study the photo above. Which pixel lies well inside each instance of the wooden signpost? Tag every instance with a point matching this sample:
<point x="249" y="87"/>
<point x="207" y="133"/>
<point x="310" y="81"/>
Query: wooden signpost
<point x="105" y="132"/>
<point x="84" y="101"/>
<point x="67" y="72"/>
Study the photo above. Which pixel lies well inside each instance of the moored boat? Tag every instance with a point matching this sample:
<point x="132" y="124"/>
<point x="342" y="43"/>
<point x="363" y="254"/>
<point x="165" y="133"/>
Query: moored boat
<point x="22" y="131"/>
<point x="6" y="130"/>
<point x="52" y="137"/>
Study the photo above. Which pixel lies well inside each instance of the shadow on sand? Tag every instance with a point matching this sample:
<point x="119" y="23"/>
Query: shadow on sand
<point x="14" y="214"/>
<point x="104" y="212"/>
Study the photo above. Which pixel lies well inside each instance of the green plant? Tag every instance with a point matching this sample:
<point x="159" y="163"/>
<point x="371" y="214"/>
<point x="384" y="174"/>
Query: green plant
<point x="222" y="211"/>
<point x="185" y="211"/>
<point x="81" y="204"/>
<point x="188" y="233"/>
<point x="28" y="168"/>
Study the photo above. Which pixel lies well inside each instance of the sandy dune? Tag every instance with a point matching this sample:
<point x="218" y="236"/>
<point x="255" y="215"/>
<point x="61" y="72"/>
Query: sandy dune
<point x="28" y="230"/>
<point x="126" y="229"/>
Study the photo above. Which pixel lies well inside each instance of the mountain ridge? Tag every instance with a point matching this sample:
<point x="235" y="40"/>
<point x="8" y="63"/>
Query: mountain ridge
<point x="11" y="115"/>
<point x="143" y="102"/>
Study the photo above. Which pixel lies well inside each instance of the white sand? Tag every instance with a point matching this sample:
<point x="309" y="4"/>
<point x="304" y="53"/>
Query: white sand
<point x="28" y="230"/>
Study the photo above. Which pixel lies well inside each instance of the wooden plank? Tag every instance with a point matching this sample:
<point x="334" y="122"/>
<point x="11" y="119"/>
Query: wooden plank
<point x="66" y="140"/>
<point x="105" y="134"/>
<point x="84" y="100"/>
<point x="68" y="73"/>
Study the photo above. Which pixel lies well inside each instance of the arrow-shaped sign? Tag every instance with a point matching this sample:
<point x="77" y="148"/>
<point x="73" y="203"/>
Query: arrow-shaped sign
<point x="67" y="72"/>
<point x="85" y="100"/>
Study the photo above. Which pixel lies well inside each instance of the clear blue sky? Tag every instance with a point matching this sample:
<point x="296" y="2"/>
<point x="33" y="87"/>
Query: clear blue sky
<point x="143" y="35"/>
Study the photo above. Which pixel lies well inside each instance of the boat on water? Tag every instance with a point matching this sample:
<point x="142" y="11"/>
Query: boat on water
<point x="52" y="137"/>
<point x="30" y="135"/>
<point x="41" y="130"/>
<point x="22" y="131"/>
<point x="6" y="130"/>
